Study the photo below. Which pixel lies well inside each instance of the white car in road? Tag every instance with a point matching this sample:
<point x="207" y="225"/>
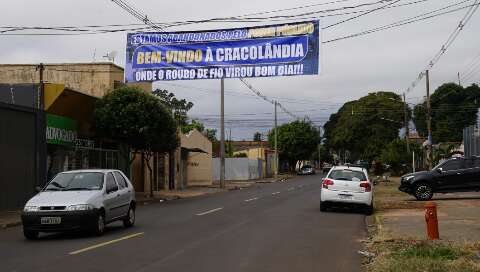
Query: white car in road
<point x="80" y="199"/>
<point x="345" y="185"/>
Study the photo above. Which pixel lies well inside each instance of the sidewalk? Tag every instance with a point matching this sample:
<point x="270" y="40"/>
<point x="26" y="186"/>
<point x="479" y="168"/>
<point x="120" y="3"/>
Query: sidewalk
<point x="397" y="232"/>
<point x="9" y="219"/>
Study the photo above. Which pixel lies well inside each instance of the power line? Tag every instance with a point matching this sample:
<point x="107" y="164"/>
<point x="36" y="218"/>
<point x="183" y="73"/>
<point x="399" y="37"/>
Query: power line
<point x="468" y="15"/>
<point x="259" y="94"/>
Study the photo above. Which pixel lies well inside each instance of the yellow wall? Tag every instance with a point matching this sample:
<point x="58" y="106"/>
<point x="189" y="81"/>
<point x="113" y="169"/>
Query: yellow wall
<point x="95" y="79"/>
<point x="253" y="153"/>
<point x="199" y="165"/>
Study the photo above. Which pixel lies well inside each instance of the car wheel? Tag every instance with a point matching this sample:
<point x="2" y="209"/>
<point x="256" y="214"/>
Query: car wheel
<point x="323" y="206"/>
<point x="423" y="192"/>
<point x="129" y="220"/>
<point x="100" y="224"/>
<point x="369" y="209"/>
<point x="30" y="234"/>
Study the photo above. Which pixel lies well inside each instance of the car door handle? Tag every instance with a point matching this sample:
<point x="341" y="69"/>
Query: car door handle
<point x="459" y="173"/>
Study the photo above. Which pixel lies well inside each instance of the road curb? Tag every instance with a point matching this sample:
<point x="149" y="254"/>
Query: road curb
<point x="9" y="225"/>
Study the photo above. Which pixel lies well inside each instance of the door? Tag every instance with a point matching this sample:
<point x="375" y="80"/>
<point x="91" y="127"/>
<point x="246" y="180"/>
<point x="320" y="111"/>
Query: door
<point x="452" y="177"/>
<point x="124" y="191"/>
<point x="472" y="173"/>
<point x="112" y="198"/>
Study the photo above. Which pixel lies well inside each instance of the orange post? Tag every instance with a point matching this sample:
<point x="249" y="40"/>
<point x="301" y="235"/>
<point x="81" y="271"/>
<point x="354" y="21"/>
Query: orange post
<point x="431" y="220"/>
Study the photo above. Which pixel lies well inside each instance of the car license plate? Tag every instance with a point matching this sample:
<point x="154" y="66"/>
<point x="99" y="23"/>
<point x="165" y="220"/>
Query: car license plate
<point x="345" y="197"/>
<point x="50" y="220"/>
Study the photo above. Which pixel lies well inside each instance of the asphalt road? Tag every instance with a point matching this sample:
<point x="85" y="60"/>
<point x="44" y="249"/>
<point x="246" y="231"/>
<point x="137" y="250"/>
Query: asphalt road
<point x="269" y="227"/>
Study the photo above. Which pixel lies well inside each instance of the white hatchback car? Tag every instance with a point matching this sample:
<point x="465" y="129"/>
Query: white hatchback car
<point x="81" y="199"/>
<point x="348" y="186"/>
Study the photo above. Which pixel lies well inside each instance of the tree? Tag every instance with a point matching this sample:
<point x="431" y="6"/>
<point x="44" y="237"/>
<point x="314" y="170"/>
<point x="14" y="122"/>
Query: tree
<point x="193" y="125"/>
<point x="453" y="108"/>
<point x="395" y="154"/>
<point x="257" y="137"/>
<point x="138" y="119"/>
<point x="363" y="127"/>
<point x="179" y="107"/>
<point x="296" y="141"/>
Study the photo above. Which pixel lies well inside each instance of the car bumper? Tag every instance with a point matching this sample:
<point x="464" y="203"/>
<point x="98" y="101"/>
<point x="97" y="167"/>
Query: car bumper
<point x="75" y="220"/>
<point x="346" y="197"/>
<point x="405" y="188"/>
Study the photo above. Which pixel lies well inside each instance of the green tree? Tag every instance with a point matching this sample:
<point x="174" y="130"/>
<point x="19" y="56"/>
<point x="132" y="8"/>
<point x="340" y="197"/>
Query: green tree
<point x="395" y="154"/>
<point x="179" y="107"/>
<point x="137" y="119"/>
<point x="363" y="127"/>
<point x="193" y="125"/>
<point x="453" y="108"/>
<point x="257" y="137"/>
<point x="296" y="141"/>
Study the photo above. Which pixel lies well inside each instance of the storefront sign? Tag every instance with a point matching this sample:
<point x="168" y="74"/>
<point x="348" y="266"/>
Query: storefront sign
<point x="275" y="50"/>
<point x="61" y="130"/>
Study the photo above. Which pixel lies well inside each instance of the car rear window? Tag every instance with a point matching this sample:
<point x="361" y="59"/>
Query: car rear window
<point x="347" y="174"/>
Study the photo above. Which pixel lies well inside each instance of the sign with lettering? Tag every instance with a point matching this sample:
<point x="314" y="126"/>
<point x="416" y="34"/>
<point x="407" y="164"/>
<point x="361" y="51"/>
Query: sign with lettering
<point x="276" y="50"/>
<point x="61" y="130"/>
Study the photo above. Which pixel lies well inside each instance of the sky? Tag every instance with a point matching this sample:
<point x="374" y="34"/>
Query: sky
<point x="384" y="61"/>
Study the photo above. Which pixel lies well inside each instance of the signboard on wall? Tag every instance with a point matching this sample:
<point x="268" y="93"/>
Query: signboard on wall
<point x="275" y="50"/>
<point x="61" y="130"/>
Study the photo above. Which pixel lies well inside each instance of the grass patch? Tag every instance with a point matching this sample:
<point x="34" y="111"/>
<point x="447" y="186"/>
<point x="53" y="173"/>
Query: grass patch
<point x="387" y="196"/>
<point x="393" y="254"/>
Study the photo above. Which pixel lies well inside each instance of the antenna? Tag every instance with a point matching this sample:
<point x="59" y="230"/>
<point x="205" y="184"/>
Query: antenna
<point x="110" y="56"/>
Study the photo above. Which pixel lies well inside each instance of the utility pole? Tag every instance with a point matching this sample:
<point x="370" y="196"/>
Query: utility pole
<point x="429" y="121"/>
<point x="41" y="95"/>
<point x="222" y="134"/>
<point x="276" y="144"/>
<point x="319" y="146"/>
<point x="459" y="82"/>
<point x="406" y="123"/>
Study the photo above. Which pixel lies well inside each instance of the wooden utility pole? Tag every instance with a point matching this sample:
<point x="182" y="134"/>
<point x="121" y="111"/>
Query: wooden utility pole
<point x="41" y="95"/>
<point x="406" y="122"/>
<point x="222" y="134"/>
<point x="429" y="121"/>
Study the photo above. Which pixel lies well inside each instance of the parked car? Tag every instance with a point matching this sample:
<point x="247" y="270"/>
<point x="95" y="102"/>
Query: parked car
<point x="80" y="200"/>
<point x="453" y="175"/>
<point x="347" y="186"/>
<point x="306" y="170"/>
<point x="326" y="167"/>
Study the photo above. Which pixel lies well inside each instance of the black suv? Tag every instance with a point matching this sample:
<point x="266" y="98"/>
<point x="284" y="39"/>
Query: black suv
<point x="453" y="175"/>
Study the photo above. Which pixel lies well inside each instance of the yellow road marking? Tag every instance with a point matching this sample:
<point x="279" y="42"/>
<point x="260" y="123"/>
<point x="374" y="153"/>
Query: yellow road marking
<point x="105" y="243"/>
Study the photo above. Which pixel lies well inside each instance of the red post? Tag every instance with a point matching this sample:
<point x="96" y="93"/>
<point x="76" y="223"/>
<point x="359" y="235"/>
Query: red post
<point x="431" y="220"/>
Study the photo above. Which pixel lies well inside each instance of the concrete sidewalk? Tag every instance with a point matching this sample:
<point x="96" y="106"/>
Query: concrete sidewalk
<point x="403" y="216"/>
<point x="10" y="219"/>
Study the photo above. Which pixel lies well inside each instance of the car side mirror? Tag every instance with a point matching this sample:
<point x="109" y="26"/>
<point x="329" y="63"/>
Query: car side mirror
<point x="38" y="188"/>
<point x="439" y="170"/>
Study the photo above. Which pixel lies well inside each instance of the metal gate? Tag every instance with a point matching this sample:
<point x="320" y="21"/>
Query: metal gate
<point x="22" y="151"/>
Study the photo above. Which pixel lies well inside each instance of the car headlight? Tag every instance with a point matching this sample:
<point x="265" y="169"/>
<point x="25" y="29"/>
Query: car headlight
<point x="31" y="208"/>
<point x="81" y="207"/>
<point x="408" y="178"/>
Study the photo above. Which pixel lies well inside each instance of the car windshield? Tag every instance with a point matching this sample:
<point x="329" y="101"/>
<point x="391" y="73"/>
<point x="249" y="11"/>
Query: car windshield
<point x="76" y="182"/>
<point x="347" y="174"/>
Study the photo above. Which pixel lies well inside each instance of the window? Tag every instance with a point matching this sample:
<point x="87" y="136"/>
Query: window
<point x="452" y="165"/>
<point x="347" y="175"/>
<point x="76" y="181"/>
<point x="120" y="180"/>
<point x="111" y="184"/>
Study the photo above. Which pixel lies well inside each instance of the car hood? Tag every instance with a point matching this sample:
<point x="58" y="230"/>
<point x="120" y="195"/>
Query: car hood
<point x="417" y="174"/>
<point x="62" y="198"/>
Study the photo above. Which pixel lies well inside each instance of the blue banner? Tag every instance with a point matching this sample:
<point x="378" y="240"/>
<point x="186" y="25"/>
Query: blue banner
<point x="275" y="50"/>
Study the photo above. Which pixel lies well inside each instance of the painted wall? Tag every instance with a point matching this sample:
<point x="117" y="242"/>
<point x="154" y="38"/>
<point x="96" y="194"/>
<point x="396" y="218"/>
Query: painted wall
<point x="199" y="164"/>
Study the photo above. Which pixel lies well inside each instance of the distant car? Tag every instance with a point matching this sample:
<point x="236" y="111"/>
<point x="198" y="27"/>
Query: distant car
<point x="326" y="167"/>
<point x="453" y="175"/>
<point x="80" y="200"/>
<point x="347" y="186"/>
<point x="306" y="170"/>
